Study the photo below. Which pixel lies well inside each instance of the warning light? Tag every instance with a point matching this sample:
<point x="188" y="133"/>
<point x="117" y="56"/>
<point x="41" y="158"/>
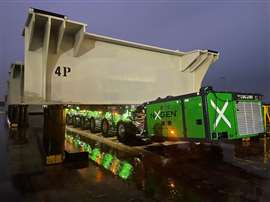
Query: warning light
<point x="171" y="184"/>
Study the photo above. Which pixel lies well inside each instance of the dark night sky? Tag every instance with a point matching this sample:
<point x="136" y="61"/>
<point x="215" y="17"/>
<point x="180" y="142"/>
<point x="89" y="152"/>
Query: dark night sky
<point x="239" y="30"/>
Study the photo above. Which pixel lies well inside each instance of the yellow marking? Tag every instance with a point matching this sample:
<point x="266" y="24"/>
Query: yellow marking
<point x="54" y="159"/>
<point x="266" y="115"/>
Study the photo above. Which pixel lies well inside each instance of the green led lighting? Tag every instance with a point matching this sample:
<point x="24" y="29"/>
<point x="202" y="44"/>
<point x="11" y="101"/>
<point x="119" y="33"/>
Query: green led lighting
<point x="107" y="160"/>
<point x="77" y="143"/>
<point x="87" y="148"/>
<point x="95" y="154"/>
<point x="121" y="168"/>
<point x="125" y="170"/>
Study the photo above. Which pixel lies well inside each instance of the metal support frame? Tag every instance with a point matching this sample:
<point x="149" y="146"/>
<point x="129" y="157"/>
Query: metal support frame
<point x="54" y="132"/>
<point x="266" y="117"/>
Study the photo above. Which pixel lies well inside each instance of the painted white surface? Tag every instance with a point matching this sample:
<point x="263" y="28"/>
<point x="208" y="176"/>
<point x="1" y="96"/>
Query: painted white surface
<point x="103" y="70"/>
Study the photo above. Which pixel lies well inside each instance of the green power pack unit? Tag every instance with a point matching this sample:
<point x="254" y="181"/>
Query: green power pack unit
<point x="207" y="115"/>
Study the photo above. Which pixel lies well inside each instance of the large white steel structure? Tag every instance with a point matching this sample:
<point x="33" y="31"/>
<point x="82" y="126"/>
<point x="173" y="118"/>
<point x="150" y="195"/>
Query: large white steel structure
<point x="66" y="64"/>
<point x="15" y="83"/>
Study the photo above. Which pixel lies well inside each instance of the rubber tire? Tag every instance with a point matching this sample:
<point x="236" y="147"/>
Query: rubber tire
<point x="68" y="119"/>
<point x="92" y="125"/>
<point x="123" y="136"/>
<point x="74" y="121"/>
<point x="105" y="131"/>
<point x="84" y="123"/>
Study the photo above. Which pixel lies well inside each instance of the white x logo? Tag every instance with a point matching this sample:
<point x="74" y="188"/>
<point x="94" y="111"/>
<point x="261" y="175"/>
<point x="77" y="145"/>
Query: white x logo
<point x="221" y="114"/>
<point x="157" y="115"/>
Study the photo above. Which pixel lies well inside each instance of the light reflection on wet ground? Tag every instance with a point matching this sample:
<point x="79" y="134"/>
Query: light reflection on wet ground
<point x="225" y="172"/>
<point x="186" y="172"/>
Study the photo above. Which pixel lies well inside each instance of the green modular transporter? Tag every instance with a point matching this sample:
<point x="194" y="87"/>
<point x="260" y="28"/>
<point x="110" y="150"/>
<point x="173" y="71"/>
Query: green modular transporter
<point x="207" y="115"/>
<point x="105" y="119"/>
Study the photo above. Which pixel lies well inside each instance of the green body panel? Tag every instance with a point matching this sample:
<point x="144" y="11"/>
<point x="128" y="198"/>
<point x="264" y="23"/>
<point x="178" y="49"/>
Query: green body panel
<point x="165" y="119"/>
<point x="219" y="101"/>
<point x="194" y="120"/>
<point x="207" y="116"/>
<point x="227" y="125"/>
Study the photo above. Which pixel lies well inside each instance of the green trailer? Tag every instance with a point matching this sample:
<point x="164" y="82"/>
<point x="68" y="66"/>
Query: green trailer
<point x="207" y="115"/>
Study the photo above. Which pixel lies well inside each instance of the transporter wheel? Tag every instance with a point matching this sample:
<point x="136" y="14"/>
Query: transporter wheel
<point x="122" y="132"/>
<point x="87" y="123"/>
<point x="76" y="121"/>
<point x="73" y="121"/>
<point x="79" y="122"/>
<point x="105" y="126"/>
<point x="68" y="119"/>
<point x="92" y="125"/>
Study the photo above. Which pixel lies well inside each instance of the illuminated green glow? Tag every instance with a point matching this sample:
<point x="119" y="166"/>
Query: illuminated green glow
<point x="125" y="170"/>
<point x="126" y="116"/>
<point x="108" y="115"/>
<point x="87" y="148"/>
<point x="95" y="154"/>
<point x="77" y="143"/>
<point x="94" y="114"/>
<point x="107" y="161"/>
<point x="121" y="168"/>
<point x="71" y="112"/>
<point x="82" y="113"/>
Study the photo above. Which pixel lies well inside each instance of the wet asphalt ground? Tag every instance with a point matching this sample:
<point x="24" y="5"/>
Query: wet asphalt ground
<point x="186" y="172"/>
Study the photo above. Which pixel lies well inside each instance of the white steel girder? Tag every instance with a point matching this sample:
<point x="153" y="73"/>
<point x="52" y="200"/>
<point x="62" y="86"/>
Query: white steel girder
<point x="64" y="64"/>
